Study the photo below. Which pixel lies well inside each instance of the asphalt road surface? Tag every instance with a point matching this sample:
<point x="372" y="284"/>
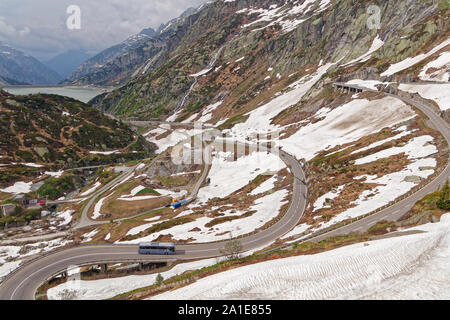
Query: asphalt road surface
<point x="23" y="284"/>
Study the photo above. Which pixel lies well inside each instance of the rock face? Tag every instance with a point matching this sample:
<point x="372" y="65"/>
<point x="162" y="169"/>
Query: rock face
<point x="97" y="69"/>
<point x="446" y="115"/>
<point x="120" y="63"/>
<point x="413" y="179"/>
<point x="19" y="68"/>
<point x="256" y="45"/>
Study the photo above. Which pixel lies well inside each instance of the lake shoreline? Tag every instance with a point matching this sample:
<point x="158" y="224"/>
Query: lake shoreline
<point x="35" y="86"/>
<point x="81" y="93"/>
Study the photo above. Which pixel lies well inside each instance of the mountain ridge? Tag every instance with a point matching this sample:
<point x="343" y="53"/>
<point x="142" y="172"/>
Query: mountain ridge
<point x="16" y="67"/>
<point x="278" y="42"/>
<point x="118" y="64"/>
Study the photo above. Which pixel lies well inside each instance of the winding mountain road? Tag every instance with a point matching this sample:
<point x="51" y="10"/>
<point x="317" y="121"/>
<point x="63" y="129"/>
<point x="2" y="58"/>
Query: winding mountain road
<point x="401" y="208"/>
<point x="22" y="283"/>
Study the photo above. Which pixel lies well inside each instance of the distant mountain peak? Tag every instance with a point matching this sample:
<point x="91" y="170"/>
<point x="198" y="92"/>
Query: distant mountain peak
<point x="109" y="67"/>
<point x="17" y="67"/>
<point x="148" y="32"/>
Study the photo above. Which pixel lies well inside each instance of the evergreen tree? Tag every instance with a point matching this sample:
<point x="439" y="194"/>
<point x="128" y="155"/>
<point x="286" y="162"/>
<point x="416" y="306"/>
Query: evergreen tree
<point x="159" y="279"/>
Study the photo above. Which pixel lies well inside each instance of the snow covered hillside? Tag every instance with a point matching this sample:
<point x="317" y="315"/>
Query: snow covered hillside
<point x="108" y="288"/>
<point x="411" y="266"/>
<point x="439" y="93"/>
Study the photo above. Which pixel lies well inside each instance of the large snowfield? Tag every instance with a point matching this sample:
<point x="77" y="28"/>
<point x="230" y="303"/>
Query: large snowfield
<point x="412" y="266"/>
<point x="108" y="288"/>
<point x="345" y="124"/>
<point x="228" y="176"/>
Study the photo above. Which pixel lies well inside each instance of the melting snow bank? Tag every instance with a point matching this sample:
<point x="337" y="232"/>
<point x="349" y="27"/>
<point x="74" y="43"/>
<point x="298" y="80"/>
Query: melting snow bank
<point x="403" y="132"/>
<point x="261" y="118"/>
<point x="409" y="62"/>
<point x="162" y="193"/>
<point x="229" y="176"/>
<point x="89" y="236"/>
<point x="390" y="186"/>
<point x="347" y="123"/>
<point x="56" y="174"/>
<point x="287" y="17"/>
<point x="267" y="185"/>
<point x="65" y="217"/>
<point x="371" y="84"/>
<point x="201" y="73"/>
<point x="88" y="192"/>
<point x="437" y="70"/>
<point x="173" y="138"/>
<point x="440" y="93"/>
<point x="266" y="209"/>
<point x="105" y="153"/>
<point x="18" y="187"/>
<point x="108" y="288"/>
<point x="376" y="44"/>
<point x="322" y="201"/>
<point x="418" y="147"/>
<point x="97" y="208"/>
<point x="408" y="267"/>
<point x="17" y="253"/>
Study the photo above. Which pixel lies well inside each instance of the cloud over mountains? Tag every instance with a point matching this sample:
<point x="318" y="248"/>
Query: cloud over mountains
<point x="39" y="27"/>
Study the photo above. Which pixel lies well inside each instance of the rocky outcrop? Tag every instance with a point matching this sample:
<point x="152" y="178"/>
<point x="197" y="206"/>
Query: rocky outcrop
<point x="277" y="46"/>
<point x="131" y="58"/>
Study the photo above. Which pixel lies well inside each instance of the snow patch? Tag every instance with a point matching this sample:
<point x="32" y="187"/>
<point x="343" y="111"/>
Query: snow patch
<point x="408" y="267"/>
<point x="347" y="123"/>
<point x="18" y="187"/>
<point x="89" y="191"/>
<point x="409" y="62"/>
<point x="440" y="93"/>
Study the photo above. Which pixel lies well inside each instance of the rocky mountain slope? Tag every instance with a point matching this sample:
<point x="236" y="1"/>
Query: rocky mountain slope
<point x="241" y="52"/>
<point x="87" y="72"/>
<point x="49" y="131"/>
<point x="18" y="68"/>
<point x="120" y="63"/>
<point x="249" y="67"/>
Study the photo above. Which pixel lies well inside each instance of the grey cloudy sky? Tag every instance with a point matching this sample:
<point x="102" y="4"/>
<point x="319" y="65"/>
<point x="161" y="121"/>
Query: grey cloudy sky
<point x="38" y="27"/>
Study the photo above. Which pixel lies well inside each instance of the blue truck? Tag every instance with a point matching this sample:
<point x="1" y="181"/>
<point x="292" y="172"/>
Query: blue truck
<point x="176" y="205"/>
